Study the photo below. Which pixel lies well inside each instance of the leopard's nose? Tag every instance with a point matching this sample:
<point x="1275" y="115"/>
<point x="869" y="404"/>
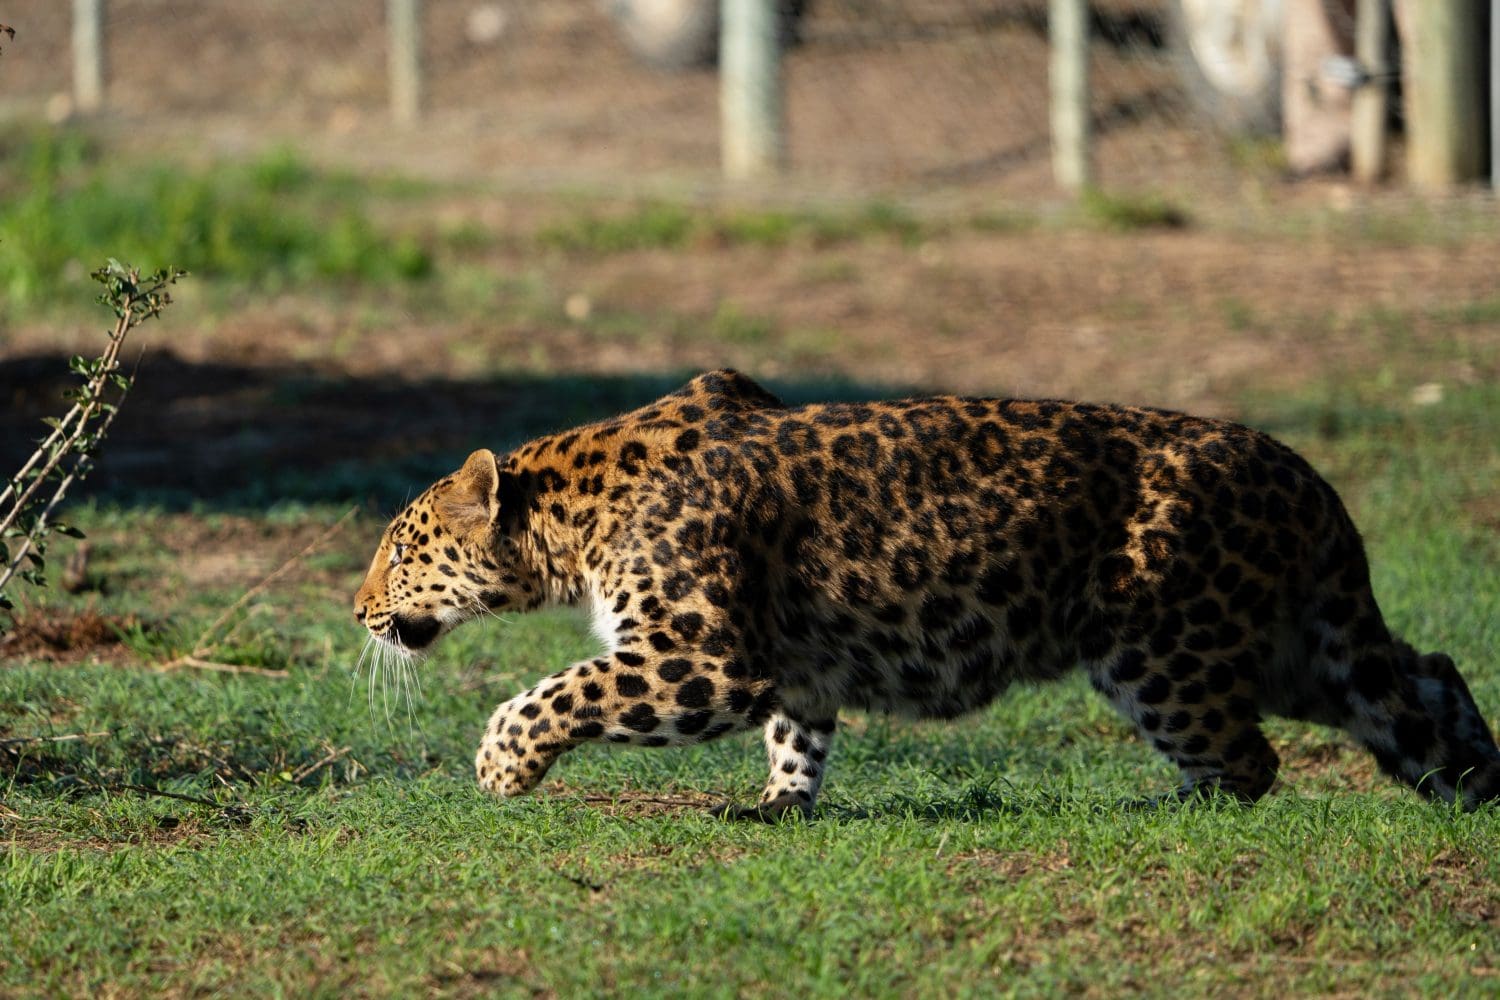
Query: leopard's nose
<point x="359" y="614"/>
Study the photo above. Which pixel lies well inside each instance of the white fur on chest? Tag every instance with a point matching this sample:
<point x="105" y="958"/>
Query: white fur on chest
<point x="603" y="622"/>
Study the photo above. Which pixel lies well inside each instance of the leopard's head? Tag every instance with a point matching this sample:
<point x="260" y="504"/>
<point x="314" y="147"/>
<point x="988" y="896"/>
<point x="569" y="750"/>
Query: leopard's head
<point x="447" y="558"/>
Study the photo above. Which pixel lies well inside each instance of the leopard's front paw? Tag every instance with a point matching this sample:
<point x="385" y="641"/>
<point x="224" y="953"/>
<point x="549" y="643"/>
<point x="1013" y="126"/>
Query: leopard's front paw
<point x="495" y="767"/>
<point x="509" y="762"/>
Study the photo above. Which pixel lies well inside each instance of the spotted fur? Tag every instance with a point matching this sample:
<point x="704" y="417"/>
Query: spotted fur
<point x="754" y="565"/>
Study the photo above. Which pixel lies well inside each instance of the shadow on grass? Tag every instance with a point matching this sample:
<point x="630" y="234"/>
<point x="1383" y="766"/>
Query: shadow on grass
<point x="230" y="436"/>
<point x="971" y="802"/>
<point x="977" y="802"/>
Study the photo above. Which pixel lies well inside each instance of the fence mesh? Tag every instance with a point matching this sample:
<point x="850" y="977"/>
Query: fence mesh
<point x="928" y="94"/>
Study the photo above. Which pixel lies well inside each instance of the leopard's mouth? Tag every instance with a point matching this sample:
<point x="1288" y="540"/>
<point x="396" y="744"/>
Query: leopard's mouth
<point x="411" y="632"/>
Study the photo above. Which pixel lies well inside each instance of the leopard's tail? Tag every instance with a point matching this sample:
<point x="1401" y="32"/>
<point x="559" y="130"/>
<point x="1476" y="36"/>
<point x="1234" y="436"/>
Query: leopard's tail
<point x="1412" y="711"/>
<point x="1427" y="731"/>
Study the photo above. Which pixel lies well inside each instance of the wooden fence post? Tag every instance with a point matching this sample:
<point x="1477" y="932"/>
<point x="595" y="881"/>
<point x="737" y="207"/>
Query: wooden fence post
<point x="404" y="24"/>
<point x="1443" y="85"/>
<point x="1367" y="129"/>
<point x="752" y="142"/>
<point x="88" y="55"/>
<point x="1068" y="33"/>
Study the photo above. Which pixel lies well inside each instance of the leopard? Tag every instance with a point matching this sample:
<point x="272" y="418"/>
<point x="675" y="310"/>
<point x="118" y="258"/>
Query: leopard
<point x="749" y="564"/>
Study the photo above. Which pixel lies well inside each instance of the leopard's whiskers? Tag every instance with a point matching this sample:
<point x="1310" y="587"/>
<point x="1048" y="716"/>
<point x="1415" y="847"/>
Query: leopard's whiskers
<point x="359" y="663"/>
<point x="480" y="609"/>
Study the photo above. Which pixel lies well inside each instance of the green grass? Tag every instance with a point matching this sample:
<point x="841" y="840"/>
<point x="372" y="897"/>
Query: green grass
<point x="732" y="325"/>
<point x="269" y="223"/>
<point x="667" y="226"/>
<point x="1125" y="212"/>
<point x="984" y="857"/>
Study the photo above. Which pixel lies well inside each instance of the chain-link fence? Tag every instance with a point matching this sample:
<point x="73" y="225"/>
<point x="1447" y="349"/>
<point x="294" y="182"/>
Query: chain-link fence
<point x="878" y="94"/>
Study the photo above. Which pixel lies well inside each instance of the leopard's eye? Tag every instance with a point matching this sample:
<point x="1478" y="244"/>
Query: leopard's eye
<point x="398" y="553"/>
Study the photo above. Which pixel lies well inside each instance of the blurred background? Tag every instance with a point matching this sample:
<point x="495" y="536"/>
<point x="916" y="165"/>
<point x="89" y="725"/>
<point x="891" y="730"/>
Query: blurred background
<point x="418" y="227"/>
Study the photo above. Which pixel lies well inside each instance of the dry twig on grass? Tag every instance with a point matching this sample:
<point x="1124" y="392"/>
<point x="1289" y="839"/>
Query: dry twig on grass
<point x="230" y="811"/>
<point x="202" y="656"/>
<point x="213" y="666"/>
<point x="69" y="738"/>
<point x="308" y="770"/>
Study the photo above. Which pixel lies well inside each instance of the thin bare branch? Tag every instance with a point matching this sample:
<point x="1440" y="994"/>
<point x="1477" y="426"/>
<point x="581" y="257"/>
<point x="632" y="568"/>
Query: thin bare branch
<point x="205" y="643"/>
<point x="82" y="428"/>
<point x="59" y="444"/>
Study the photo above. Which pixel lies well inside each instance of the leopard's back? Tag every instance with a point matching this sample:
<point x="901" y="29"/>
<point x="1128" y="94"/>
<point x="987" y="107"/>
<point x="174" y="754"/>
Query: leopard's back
<point x="926" y="553"/>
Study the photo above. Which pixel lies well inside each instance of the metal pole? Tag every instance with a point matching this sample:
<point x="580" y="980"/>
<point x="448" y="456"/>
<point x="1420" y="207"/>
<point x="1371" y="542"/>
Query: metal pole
<point x="405" y="28"/>
<point x="1068" y="31"/>
<point x="1495" y="94"/>
<point x="1367" y="128"/>
<point x="88" y="55"/>
<point x="752" y="141"/>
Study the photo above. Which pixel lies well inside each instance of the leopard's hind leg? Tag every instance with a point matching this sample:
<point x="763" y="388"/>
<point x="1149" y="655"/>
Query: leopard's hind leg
<point x="1196" y="707"/>
<point x="797" y="744"/>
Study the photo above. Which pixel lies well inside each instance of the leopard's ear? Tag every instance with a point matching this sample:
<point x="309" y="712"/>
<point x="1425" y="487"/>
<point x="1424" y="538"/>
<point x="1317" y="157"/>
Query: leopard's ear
<point x="472" y="500"/>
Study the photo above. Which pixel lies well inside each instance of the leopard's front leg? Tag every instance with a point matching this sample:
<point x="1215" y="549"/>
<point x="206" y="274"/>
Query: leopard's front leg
<point x="527" y="734"/>
<point x="648" y="699"/>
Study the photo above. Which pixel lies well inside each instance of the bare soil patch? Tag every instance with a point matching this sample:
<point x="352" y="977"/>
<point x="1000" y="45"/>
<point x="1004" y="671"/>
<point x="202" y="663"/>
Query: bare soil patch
<point x="633" y="803"/>
<point x="62" y="637"/>
<point x="489" y="971"/>
<point x="978" y="866"/>
<point x="164" y="831"/>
